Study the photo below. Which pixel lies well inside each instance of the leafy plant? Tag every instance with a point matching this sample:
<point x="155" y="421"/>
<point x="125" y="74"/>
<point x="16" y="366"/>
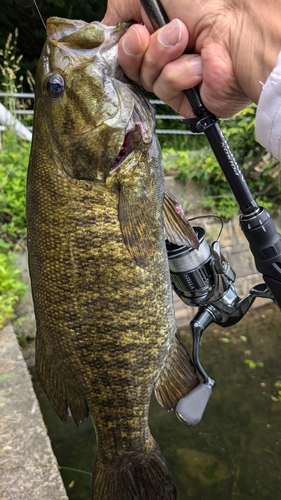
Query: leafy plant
<point x="13" y="168"/>
<point x="11" y="288"/>
<point x="14" y="155"/>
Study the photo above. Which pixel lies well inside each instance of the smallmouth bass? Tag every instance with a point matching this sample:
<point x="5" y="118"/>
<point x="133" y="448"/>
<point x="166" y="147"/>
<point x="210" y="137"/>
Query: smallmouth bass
<point x="97" y="217"/>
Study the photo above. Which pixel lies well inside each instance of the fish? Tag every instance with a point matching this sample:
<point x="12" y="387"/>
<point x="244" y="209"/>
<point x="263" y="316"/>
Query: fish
<point x="98" y="216"/>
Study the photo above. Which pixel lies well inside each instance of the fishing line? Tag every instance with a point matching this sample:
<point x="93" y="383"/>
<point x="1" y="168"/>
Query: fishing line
<point x="209" y="19"/>
<point x="40" y="15"/>
<point x="184" y="188"/>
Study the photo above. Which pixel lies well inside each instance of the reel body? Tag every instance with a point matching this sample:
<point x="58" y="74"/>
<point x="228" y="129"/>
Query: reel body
<point x="203" y="278"/>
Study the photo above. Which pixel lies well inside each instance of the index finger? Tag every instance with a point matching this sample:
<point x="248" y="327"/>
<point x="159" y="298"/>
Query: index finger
<point x="143" y="57"/>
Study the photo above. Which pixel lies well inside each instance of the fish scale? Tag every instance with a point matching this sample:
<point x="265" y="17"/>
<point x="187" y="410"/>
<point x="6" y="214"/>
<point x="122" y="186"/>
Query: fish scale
<point x="106" y="331"/>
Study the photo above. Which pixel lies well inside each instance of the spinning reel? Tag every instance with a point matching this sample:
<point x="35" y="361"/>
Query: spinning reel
<point x="203" y="278"/>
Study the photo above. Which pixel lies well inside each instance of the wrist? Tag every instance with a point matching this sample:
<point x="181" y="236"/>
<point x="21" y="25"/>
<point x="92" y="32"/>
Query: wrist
<point x="255" y="53"/>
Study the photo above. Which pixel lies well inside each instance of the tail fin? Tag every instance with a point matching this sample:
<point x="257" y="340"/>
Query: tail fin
<point x="144" y="477"/>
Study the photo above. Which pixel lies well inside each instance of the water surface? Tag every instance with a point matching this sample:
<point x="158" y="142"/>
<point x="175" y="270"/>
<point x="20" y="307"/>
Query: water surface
<point x="235" y="452"/>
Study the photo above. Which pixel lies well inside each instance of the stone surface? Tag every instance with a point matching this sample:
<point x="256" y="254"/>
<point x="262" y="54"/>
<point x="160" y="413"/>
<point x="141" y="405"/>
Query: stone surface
<point x="28" y="468"/>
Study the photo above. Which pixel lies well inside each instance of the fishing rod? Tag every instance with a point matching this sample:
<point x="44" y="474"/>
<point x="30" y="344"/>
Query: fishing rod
<point x="203" y="278"/>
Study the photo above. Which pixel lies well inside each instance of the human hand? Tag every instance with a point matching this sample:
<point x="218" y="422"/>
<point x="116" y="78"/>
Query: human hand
<point x="226" y="56"/>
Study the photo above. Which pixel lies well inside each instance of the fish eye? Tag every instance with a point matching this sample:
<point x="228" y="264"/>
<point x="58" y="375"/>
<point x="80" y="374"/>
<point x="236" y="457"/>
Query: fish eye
<point x="55" y="86"/>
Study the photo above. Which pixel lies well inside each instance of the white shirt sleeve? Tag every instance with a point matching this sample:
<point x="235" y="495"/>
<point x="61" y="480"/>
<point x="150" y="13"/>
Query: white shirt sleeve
<point x="268" y="116"/>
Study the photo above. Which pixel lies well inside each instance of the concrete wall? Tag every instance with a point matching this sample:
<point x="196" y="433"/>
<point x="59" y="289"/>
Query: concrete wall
<point x="28" y="467"/>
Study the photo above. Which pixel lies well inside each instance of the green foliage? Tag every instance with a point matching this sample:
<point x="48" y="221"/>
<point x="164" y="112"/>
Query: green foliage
<point x="261" y="171"/>
<point x="176" y="163"/>
<point x="11" y="288"/>
<point x="13" y="167"/>
<point x="14" y="157"/>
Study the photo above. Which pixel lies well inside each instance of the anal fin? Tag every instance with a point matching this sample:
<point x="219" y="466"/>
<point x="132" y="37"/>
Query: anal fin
<point x="62" y="395"/>
<point x="178" y="377"/>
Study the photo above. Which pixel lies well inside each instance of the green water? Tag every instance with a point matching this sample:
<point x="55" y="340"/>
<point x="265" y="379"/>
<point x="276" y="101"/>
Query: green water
<point x="235" y="452"/>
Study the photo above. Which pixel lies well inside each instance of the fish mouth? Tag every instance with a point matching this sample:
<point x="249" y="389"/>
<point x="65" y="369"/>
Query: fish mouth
<point x="124" y="151"/>
<point x="134" y="133"/>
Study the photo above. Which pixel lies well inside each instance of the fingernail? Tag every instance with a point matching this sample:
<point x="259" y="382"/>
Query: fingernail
<point x="170" y="35"/>
<point x="197" y="66"/>
<point x="131" y="42"/>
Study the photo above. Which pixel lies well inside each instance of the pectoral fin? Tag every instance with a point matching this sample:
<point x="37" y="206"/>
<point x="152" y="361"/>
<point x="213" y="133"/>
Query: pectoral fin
<point x="177" y="228"/>
<point x="139" y="230"/>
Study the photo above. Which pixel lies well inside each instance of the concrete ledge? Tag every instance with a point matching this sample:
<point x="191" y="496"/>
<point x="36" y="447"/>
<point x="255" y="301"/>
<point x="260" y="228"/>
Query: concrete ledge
<point x="28" y="468"/>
